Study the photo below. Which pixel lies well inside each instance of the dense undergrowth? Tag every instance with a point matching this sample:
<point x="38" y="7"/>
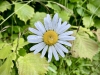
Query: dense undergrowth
<point x="17" y="15"/>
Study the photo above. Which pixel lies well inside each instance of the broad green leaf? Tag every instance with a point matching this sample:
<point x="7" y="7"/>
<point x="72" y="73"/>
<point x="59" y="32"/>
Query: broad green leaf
<point x="87" y="21"/>
<point x="95" y="2"/>
<point x="24" y="11"/>
<point x="80" y="11"/>
<point x="19" y="43"/>
<point x="53" y="6"/>
<point x="36" y="17"/>
<point x="5" y="50"/>
<point x="94" y="9"/>
<point x="5" y="69"/>
<point x="84" y="46"/>
<point x="4" y="5"/>
<point x="32" y="64"/>
<point x="98" y="34"/>
<point x="64" y="15"/>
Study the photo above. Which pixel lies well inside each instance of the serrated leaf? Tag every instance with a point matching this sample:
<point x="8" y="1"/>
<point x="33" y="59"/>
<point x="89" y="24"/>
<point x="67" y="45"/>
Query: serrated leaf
<point x="19" y="43"/>
<point x="94" y="9"/>
<point x="98" y="34"/>
<point x="84" y="46"/>
<point x="87" y="21"/>
<point x="5" y="69"/>
<point x="5" y="50"/>
<point x="4" y="5"/>
<point x="23" y="11"/>
<point x="36" y="17"/>
<point x="32" y="64"/>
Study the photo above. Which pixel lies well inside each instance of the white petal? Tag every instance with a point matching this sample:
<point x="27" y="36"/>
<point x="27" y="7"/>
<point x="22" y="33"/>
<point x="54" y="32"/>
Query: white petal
<point x="55" y="53"/>
<point x="47" y="22"/>
<point x="62" y="47"/>
<point x="59" y="51"/>
<point x="40" y="47"/>
<point x="63" y="29"/>
<point x="35" y="31"/>
<point x="65" y="43"/>
<point x="55" y="21"/>
<point x="40" y="26"/>
<point x="58" y="24"/>
<point x="49" y="54"/>
<point x="36" y="46"/>
<point x="66" y="33"/>
<point x="34" y="39"/>
<point x="44" y="51"/>
<point x="66" y="37"/>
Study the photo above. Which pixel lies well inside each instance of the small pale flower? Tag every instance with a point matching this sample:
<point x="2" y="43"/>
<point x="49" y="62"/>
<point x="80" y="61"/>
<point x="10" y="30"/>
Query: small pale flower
<point x="51" y="37"/>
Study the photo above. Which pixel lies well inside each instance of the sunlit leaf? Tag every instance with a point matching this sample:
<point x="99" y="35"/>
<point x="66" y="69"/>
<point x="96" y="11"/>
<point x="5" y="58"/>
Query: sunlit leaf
<point x="84" y="46"/>
<point x="18" y="43"/>
<point x="5" y="69"/>
<point x="5" y="50"/>
<point x="64" y="15"/>
<point x="36" y="17"/>
<point x="32" y="64"/>
<point x="54" y="6"/>
<point x="4" y="5"/>
<point x="98" y="34"/>
<point x="23" y="11"/>
<point x="88" y="21"/>
<point x="94" y="9"/>
<point x="80" y="11"/>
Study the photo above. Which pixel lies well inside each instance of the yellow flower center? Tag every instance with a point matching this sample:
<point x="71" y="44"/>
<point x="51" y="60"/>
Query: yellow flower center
<point x="50" y="37"/>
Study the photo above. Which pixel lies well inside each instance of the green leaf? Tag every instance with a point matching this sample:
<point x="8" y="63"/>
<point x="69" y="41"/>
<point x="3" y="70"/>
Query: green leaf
<point x="94" y="9"/>
<point x="36" y="17"/>
<point x="4" y="5"/>
<point x="63" y="13"/>
<point x="80" y="11"/>
<point x="74" y="0"/>
<point x="95" y="2"/>
<point x="24" y="11"/>
<point x="5" y="50"/>
<point x="98" y="34"/>
<point x="1" y="17"/>
<point x="19" y="43"/>
<point x="84" y="46"/>
<point x="32" y="64"/>
<point x="69" y="62"/>
<point x="5" y="69"/>
<point x="88" y="21"/>
<point x="53" y="6"/>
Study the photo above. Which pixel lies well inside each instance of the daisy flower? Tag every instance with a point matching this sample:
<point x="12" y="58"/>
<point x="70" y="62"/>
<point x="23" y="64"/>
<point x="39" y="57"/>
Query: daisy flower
<point x="52" y="37"/>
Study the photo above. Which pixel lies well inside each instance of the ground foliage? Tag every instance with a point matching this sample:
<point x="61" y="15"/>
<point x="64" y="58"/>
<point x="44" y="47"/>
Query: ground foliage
<point x="17" y="15"/>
